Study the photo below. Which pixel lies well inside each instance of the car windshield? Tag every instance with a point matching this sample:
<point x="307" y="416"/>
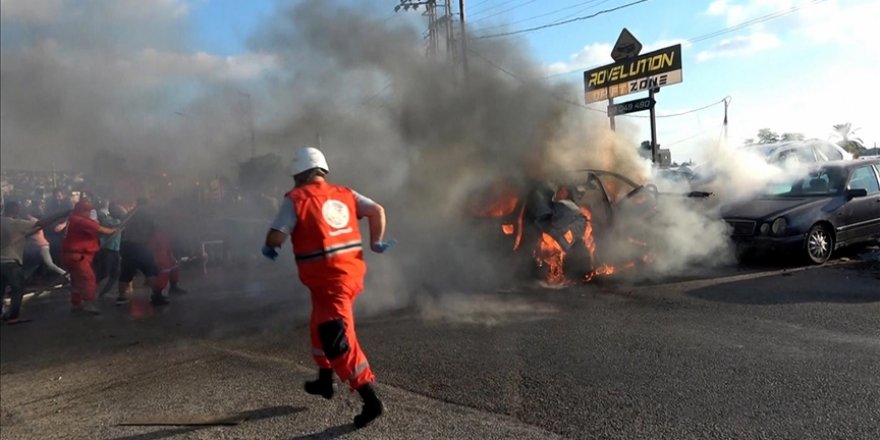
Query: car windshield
<point x="823" y="182"/>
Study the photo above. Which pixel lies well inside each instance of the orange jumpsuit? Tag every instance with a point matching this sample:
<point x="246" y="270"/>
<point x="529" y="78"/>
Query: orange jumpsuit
<point x="329" y="257"/>
<point x="78" y="251"/>
<point x="163" y="253"/>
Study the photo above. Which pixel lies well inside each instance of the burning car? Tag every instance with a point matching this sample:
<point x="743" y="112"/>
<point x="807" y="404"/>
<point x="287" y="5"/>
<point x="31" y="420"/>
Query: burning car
<point x="561" y="228"/>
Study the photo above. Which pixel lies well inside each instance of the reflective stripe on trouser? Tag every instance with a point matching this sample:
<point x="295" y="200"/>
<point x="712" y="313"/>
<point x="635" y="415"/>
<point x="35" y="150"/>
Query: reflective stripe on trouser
<point x="335" y="303"/>
<point x="83" y="284"/>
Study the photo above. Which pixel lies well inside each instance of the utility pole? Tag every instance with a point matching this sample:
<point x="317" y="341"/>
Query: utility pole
<point x="251" y="125"/>
<point x="464" y="37"/>
<point x="726" y="103"/>
<point x="653" y="127"/>
<point x="433" y="22"/>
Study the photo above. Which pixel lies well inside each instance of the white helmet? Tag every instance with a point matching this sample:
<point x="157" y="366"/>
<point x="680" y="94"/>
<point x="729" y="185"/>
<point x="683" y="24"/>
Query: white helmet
<point x="306" y="158"/>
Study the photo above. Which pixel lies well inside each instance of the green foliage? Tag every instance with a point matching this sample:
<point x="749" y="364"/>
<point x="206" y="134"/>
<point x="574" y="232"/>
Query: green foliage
<point x="767" y="136"/>
<point x="848" y="141"/>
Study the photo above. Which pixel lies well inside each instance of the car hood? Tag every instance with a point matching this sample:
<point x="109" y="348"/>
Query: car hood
<point x="771" y="207"/>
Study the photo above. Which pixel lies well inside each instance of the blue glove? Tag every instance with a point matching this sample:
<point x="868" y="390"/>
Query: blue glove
<point x="270" y="252"/>
<point x="380" y="247"/>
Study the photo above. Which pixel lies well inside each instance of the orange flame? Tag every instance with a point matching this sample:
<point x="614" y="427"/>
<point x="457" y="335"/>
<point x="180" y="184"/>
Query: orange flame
<point x="550" y="255"/>
<point x="500" y="201"/>
<point x="519" y="227"/>
<point x="507" y="229"/>
<point x="604" y="269"/>
<point x="589" y="242"/>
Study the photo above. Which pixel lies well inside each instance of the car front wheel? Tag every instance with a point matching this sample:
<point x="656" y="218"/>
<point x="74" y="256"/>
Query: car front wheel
<point x="819" y="244"/>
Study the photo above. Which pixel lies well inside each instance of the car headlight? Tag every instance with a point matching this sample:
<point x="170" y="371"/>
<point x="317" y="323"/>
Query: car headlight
<point x="765" y="228"/>
<point x="779" y="226"/>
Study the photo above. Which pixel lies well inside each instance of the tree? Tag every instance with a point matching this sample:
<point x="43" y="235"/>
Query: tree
<point x="848" y="141"/>
<point x="767" y="136"/>
<point x="793" y="137"/>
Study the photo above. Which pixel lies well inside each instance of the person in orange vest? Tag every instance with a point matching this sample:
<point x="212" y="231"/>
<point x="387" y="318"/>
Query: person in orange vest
<point x="322" y="221"/>
<point x="78" y="252"/>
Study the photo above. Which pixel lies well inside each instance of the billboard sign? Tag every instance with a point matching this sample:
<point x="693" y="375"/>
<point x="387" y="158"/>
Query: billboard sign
<point x="645" y="72"/>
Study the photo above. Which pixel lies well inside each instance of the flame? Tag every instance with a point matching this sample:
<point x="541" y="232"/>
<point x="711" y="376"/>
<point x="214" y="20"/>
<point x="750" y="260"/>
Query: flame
<point x="508" y="229"/>
<point x="519" y="227"/>
<point x="550" y="255"/>
<point x="604" y="269"/>
<point x="589" y="241"/>
<point x="499" y="201"/>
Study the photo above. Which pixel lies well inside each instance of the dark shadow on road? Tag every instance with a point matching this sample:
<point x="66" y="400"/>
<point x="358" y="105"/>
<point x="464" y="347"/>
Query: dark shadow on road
<point x="163" y="433"/>
<point x="802" y="287"/>
<point x="257" y="414"/>
<point x="274" y="411"/>
<point x="329" y="433"/>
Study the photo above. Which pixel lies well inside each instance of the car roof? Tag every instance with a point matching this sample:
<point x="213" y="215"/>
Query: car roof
<point x="788" y="145"/>
<point x="847" y="163"/>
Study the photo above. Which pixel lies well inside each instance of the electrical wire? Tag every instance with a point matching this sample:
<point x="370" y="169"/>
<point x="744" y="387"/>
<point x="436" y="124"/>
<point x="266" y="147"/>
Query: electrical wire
<point x="672" y="115"/>
<point x="752" y="22"/>
<point x="726" y="99"/>
<point x="576" y="5"/>
<point x="719" y="32"/>
<point x="558" y="23"/>
<point x="504" y="11"/>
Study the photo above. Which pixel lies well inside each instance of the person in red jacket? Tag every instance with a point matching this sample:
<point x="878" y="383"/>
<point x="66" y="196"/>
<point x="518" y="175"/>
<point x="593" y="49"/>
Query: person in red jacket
<point x="78" y="252"/>
<point x="163" y="253"/>
<point x="322" y="221"/>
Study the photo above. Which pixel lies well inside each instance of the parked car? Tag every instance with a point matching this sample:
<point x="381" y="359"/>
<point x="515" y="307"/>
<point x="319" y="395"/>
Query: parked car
<point x="836" y="205"/>
<point x="814" y="150"/>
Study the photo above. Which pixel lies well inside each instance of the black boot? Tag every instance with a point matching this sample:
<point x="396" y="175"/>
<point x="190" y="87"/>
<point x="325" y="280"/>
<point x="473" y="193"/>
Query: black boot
<point x="372" y="409"/>
<point x="324" y="386"/>
<point x="158" y="299"/>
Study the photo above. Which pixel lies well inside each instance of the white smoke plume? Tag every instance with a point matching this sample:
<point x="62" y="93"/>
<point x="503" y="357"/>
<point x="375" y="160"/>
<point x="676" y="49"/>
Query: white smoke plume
<point x="412" y="132"/>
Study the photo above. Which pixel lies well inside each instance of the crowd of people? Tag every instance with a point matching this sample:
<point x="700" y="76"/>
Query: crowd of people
<point x="70" y="236"/>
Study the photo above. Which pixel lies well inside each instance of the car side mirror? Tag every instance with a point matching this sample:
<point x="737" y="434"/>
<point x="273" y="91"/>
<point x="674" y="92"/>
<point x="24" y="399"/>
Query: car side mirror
<point x="853" y="193"/>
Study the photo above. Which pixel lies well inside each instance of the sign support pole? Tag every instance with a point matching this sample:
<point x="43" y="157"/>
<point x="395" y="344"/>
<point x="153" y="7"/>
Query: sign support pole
<point x="611" y="115"/>
<point x="653" y="128"/>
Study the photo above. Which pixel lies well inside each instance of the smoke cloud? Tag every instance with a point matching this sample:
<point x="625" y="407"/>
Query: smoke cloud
<point x="410" y="131"/>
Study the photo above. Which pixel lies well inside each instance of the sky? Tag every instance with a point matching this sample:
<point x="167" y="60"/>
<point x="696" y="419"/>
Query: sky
<point x="809" y="66"/>
<point x="788" y="65"/>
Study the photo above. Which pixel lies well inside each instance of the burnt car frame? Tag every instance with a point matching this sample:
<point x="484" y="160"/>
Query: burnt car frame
<point x="836" y="205"/>
<point x="557" y="209"/>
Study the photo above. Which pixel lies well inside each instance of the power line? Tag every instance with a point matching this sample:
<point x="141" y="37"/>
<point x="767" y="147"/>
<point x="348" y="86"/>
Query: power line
<point x="488" y="8"/>
<point x="581" y="11"/>
<point x="518" y="78"/>
<point x="713" y="34"/>
<point x="576" y="5"/>
<point x="689" y="137"/>
<point x="480" y="3"/>
<point x="578" y="104"/>
<point x="672" y="115"/>
<point x="559" y="23"/>
<point x="751" y="22"/>
<point x="506" y="10"/>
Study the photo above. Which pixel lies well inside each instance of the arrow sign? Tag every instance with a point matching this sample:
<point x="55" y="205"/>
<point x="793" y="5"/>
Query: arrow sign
<point x="626" y="47"/>
<point x="636" y="105"/>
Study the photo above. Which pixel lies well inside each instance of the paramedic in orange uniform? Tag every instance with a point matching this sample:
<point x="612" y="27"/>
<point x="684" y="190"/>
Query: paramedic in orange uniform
<point x="77" y="253"/>
<point x="322" y="221"/>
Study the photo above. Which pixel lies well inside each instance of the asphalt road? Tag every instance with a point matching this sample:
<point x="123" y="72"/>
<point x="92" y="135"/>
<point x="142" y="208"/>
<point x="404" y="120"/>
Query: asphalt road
<point x="762" y="352"/>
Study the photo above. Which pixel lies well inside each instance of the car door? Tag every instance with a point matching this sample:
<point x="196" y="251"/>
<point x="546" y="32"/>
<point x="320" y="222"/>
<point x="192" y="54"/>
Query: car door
<point x="862" y="214"/>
